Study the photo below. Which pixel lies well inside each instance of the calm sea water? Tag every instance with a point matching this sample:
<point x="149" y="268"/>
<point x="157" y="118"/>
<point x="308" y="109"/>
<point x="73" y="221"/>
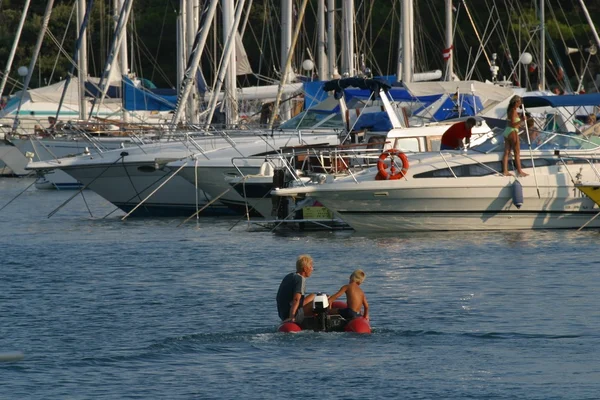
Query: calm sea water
<point x="144" y="309"/>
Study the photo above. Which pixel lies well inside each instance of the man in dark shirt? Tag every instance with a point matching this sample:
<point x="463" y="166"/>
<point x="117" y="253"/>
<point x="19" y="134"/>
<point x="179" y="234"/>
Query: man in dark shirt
<point x="292" y="305"/>
<point x="452" y="138"/>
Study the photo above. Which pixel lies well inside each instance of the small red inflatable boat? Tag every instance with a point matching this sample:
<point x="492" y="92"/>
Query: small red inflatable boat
<point x="322" y="321"/>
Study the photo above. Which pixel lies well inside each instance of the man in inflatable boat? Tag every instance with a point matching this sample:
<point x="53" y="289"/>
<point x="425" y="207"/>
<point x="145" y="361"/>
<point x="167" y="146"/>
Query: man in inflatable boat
<point x="313" y="312"/>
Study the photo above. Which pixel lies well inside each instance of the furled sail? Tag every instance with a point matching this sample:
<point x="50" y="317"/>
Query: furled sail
<point x="241" y="58"/>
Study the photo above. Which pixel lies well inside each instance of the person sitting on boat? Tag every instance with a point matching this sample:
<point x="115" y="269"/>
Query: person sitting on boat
<point x="589" y="123"/>
<point x="355" y="297"/>
<point x="534" y="135"/>
<point x="452" y="138"/>
<point x="511" y="137"/>
<point x="292" y="304"/>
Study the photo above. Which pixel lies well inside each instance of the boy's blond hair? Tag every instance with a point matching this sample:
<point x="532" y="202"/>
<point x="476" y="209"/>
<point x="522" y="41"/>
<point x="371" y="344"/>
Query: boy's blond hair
<point x="303" y="260"/>
<point x="358" y="276"/>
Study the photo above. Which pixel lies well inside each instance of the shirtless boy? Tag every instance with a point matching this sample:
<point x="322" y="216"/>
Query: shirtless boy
<point x="355" y="297"/>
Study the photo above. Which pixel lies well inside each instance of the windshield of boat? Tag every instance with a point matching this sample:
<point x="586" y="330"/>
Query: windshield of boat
<point x="314" y="119"/>
<point x="543" y="141"/>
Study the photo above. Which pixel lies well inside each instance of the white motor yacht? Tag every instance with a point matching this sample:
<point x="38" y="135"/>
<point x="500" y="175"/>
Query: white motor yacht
<point x="465" y="190"/>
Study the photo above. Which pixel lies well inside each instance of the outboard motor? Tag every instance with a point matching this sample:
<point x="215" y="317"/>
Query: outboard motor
<point x="320" y="310"/>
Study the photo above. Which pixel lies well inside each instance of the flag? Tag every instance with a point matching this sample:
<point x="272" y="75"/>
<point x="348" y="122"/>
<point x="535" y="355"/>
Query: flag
<point x="446" y="53"/>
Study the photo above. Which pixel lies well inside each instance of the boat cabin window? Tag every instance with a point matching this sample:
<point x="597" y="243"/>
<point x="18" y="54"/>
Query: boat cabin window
<point x="408" y="144"/>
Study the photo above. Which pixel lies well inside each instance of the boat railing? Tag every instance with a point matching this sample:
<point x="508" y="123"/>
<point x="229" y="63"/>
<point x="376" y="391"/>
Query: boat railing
<point x="561" y="145"/>
<point x="321" y="161"/>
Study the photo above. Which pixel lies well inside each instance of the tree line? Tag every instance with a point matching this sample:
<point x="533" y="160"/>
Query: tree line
<point x="153" y="43"/>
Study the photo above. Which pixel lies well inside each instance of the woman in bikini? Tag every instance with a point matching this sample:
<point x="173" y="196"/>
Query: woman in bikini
<point x="511" y="137"/>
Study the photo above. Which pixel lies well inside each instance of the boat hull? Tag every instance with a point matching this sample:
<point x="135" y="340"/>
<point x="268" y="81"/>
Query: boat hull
<point x="177" y="197"/>
<point x="474" y="204"/>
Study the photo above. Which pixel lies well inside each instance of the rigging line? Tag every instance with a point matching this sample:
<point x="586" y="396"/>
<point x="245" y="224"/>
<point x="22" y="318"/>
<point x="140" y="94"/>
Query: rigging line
<point x="196" y="183"/>
<point x="63" y="40"/>
<point x="143" y="50"/>
<point x="14" y="198"/>
<point x="212" y="201"/>
<point x="154" y="191"/>
<point x="379" y="34"/>
<point x="362" y="43"/>
<point x="83" y="188"/>
<point x="246" y="202"/>
<point x="456" y="67"/>
<point x="129" y="177"/>
<point x="503" y="38"/>
<point x="487" y="36"/>
<point x="565" y="43"/>
<point x="502" y="35"/>
<point x="391" y="42"/>
<point x="484" y="44"/>
<point x="143" y="190"/>
<point x="421" y="57"/>
<point x="592" y="43"/>
<point x="160" y="36"/>
<point x="247" y="210"/>
<point x="61" y="49"/>
<point x="509" y="7"/>
<point x="86" y="205"/>
<point x="517" y="64"/>
<point x="476" y="31"/>
<point x="574" y="37"/>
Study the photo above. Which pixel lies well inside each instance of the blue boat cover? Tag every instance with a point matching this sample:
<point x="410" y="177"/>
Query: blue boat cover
<point x="567" y="100"/>
<point x="147" y="99"/>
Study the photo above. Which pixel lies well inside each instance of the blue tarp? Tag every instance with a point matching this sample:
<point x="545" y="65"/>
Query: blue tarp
<point x="567" y="100"/>
<point x="453" y="107"/>
<point x="147" y="99"/>
<point x="314" y="93"/>
<point x="377" y="122"/>
<point x="456" y="107"/>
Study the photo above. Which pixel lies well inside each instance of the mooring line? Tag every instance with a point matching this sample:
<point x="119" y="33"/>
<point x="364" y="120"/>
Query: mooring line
<point x="86" y="186"/>
<point x="14" y="198"/>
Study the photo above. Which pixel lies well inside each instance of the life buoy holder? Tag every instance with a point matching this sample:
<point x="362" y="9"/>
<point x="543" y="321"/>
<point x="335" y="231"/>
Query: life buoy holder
<point x="393" y="173"/>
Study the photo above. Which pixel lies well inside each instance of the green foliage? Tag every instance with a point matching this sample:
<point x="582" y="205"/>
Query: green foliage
<point x="154" y="38"/>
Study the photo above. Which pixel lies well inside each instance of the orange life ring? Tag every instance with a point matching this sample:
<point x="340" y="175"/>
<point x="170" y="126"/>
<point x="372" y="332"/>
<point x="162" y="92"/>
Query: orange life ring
<point x="382" y="168"/>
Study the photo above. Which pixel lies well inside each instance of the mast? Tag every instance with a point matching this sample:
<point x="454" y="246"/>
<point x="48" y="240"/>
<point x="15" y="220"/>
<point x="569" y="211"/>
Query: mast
<point x="449" y="39"/>
<point x="180" y="60"/>
<point x="411" y="33"/>
<point x="224" y="68"/>
<point x="84" y="18"/>
<point x="348" y="38"/>
<point x="286" y="44"/>
<point x="123" y="56"/>
<point x="82" y="59"/>
<point x="197" y="49"/>
<point x="229" y="102"/>
<point x="331" y="50"/>
<point x="288" y="62"/>
<point x="406" y="42"/>
<point x="590" y="23"/>
<point x="321" y="58"/>
<point x="191" y="26"/>
<point x="400" y="48"/>
<point x="36" y="52"/>
<point x="13" y="50"/>
<point x="542" y="45"/>
<point x="115" y="45"/>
